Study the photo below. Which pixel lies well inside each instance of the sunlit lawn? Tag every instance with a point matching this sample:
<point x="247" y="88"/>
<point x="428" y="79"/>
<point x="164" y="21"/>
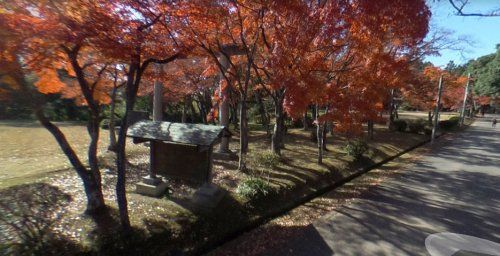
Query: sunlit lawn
<point x="29" y="151"/>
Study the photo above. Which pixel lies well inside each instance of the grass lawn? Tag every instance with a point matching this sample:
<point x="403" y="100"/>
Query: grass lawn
<point x="29" y="151"/>
<point x="171" y="223"/>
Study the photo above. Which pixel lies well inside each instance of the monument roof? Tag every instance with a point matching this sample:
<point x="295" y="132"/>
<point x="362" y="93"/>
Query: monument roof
<point x="193" y="134"/>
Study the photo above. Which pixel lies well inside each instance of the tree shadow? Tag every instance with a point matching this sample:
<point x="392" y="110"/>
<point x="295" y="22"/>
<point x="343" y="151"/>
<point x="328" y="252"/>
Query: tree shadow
<point x="29" y="215"/>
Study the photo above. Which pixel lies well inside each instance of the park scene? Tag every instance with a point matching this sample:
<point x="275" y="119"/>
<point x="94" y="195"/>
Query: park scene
<point x="249" y="127"/>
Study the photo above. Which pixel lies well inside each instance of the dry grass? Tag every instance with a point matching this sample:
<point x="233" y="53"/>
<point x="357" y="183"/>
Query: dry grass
<point x="29" y="151"/>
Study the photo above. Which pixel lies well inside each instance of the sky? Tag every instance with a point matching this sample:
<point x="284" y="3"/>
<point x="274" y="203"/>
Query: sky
<point x="482" y="32"/>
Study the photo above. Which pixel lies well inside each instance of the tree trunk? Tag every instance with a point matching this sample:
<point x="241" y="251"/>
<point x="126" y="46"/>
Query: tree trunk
<point x="193" y="110"/>
<point x="92" y="185"/>
<point x="234" y="116"/>
<point x="263" y="112"/>
<point x="324" y="134"/>
<point x="313" y="109"/>
<point x="304" y="122"/>
<point x="370" y="129"/>
<point x="112" y="132"/>
<point x="132" y="86"/>
<point x="391" y="109"/>
<point x="319" y="135"/>
<point x="203" y="113"/>
<point x="183" y="117"/>
<point x="243" y="134"/>
<point x="429" y="116"/>
<point x="279" y="127"/>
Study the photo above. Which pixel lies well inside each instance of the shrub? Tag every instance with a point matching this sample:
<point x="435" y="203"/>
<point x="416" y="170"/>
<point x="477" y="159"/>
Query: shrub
<point x="449" y="124"/>
<point x="253" y="188"/>
<point x="266" y="159"/>
<point x="428" y="130"/>
<point x="416" y="126"/>
<point x="398" y="125"/>
<point x="356" y="148"/>
<point x="455" y="119"/>
<point x="105" y="123"/>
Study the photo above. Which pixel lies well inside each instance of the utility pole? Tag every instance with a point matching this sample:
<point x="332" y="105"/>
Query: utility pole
<point x="436" y="113"/>
<point x="466" y="94"/>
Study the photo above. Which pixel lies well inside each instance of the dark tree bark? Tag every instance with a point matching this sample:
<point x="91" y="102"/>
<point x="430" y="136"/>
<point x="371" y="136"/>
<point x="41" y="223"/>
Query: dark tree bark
<point x="133" y="80"/>
<point x="304" y="121"/>
<point x="279" y="127"/>
<point x="184" y="111"/>
<point x="243" y="134"/>
<point x="391" y="109"/>
<point x="319" y="135"/>
<point x="112" y="131"/>
<point x="321" y="131"/>
<point x="262" y="110"/>
<point x="92" y="177"/>
<point x="313" y="110"/>
<point x="324" y="135"/>
<point x="370" y="129"/>
<point x="91" y="181"/>
<point x="234" y="115"/>
<point x="193" y="110"/>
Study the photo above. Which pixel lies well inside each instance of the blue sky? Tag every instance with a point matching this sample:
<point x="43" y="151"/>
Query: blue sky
<point x="484" y="33"/>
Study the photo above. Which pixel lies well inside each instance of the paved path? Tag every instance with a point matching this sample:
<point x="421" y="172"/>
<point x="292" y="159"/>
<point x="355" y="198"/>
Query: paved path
<point x="454" y="189"/>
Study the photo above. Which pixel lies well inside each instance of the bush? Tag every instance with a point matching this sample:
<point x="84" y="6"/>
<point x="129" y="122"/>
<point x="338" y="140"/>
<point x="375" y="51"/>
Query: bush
<point x="455" y="119"/>
<point x="356" y="148"/>
<point x="253" y="188"/>
<point x="428" y="130"/>
<point x="449" y="124"/>
<point x="417" y="126"/>
<point x="105" y="123"/>
<point x="265" y="159"/>
<point x="398" y="125"/>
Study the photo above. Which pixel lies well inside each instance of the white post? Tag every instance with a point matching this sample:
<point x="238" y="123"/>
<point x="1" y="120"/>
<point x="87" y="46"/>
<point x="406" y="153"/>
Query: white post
<point x="436" y="113"/>
<point x="466" y="94"/>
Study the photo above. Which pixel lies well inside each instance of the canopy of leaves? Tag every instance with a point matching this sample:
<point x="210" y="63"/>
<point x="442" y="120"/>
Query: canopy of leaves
<point x="486" y="73"/>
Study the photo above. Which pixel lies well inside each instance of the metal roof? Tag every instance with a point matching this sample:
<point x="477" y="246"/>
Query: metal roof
<point x="194" y="134"/>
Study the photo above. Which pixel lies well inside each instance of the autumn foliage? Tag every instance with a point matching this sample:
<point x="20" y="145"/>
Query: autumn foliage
<point x="345" y="57"/>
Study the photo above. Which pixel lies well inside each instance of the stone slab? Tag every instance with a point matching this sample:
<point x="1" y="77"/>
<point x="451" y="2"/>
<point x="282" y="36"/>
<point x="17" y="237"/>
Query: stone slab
<point x="151" y="181"/>
<point x="207" y="197"/>
<point x="151" y="190"/>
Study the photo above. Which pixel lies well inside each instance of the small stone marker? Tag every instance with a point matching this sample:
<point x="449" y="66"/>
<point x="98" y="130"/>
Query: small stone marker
<point x="207" y="197"/>
<point x="156" y="188"/>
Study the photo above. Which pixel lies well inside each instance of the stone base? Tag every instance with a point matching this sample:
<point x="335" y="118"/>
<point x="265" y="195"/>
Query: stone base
<point x="228" y="156"/>
<point x="151" y="190"/>
<point x="152" y="181"/>
<point x="207" y="197"/>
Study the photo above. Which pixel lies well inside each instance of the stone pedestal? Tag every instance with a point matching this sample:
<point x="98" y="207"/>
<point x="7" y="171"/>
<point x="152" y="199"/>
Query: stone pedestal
<point x="207" y="197"/>
<point x="149" y="186"/>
